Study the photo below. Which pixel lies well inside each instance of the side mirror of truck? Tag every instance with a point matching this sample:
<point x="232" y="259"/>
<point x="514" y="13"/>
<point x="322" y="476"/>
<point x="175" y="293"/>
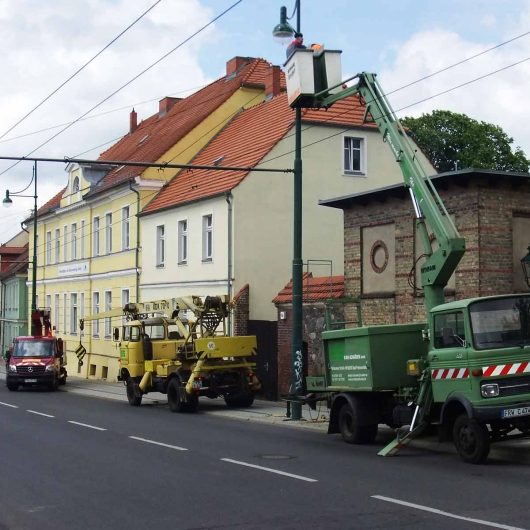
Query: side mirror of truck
<point x="116" y="335"/>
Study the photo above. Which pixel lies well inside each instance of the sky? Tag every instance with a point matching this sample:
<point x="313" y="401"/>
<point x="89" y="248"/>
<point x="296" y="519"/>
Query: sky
<point x="46" y="43"/>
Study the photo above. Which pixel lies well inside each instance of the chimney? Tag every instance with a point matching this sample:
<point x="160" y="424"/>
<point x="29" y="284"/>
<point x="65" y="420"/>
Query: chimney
<point x="272" y="82"/>
<point x="165" y="105"/>
<point x="234" y="64"/>
<point x="133" y="121"/>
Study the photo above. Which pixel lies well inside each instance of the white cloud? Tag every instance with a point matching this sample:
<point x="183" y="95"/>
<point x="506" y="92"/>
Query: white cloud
<point x="499" y="98"/>
<point x="45" y="42"/>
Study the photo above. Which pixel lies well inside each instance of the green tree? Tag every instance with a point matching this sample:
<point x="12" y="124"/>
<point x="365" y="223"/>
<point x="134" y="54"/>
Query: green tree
<point x="448" y="138"/>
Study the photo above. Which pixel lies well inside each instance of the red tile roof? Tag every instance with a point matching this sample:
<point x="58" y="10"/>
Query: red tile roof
<point x="244" y="142"/>
<point x="313" y="289"/>
<point x="15" y="264"/>
<point x="157" y="134"/>
<point x="52" y="204"/>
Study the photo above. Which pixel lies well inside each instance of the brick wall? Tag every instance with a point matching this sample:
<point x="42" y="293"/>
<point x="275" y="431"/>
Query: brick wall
<point x="313" y="321"/>
<point x="483" y="208"/>
<point x="241" y="310"/>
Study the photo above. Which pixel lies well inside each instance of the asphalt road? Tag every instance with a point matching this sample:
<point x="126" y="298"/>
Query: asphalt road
<point x="78" y="462"/>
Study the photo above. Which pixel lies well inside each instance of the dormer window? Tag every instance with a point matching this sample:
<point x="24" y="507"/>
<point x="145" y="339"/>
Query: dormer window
<point x="75" y="185"/>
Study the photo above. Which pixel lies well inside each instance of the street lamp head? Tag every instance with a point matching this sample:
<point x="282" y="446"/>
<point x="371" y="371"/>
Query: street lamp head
<point x="283" y="32"/>
<point x="525" y="263"/>
<point x="7" y="202"/>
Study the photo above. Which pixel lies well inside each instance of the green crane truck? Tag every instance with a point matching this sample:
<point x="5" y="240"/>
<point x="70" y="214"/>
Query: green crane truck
<point x="466" y="369"/>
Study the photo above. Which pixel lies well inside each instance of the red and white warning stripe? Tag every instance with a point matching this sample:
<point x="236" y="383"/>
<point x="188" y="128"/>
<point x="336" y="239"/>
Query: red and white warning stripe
<point x="450" y="373"/>
<point x="506" y="369"/>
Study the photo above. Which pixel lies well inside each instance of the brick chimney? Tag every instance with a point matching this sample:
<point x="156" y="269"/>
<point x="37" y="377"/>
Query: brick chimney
<point x="272" y="82"/>
<point x="133" y="121"/>
<point x="234" y="64"/>
<point x="165" y="105"/>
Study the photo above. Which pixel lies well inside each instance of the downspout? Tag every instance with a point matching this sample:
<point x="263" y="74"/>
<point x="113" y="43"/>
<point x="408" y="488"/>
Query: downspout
<point x="229" y="200"/>
<point x="137" y="251"/>
<point x="3" y="330"/>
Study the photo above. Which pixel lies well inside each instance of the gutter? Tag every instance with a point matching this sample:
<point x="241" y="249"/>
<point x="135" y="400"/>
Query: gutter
<point x="229" y="200"/>
<point x="137" y="251"/>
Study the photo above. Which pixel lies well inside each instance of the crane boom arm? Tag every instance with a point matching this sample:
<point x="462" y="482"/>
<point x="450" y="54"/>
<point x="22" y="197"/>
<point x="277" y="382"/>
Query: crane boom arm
<point x="441" y="262"/>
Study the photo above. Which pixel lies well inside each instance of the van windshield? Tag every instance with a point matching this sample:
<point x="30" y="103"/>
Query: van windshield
<point x="501" y="323"/>
<point x="34" y="348"/>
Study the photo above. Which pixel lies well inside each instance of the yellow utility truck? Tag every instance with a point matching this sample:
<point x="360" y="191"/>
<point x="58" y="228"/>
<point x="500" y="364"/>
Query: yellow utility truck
<point x="181" y="347"/>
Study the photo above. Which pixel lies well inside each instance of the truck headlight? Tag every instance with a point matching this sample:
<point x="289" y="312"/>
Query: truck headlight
<point x="489" y="390"/>
<point x="12" y="367"/>
<point x="49" y="368"/>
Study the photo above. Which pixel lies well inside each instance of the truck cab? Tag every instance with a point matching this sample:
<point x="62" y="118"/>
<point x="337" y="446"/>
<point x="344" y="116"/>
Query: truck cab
<point x="34" y="361"/>
<point x="480" y="361"/>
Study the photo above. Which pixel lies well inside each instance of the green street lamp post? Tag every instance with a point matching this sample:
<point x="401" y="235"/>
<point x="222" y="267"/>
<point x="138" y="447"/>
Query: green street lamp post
<point x="7" y="202"/>
<point x="283" y="31"/>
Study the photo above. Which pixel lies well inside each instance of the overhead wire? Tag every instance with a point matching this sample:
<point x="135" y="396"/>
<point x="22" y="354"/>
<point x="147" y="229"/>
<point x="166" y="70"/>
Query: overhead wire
<point x="134" y="78"/>
<point x="79" y="70"/>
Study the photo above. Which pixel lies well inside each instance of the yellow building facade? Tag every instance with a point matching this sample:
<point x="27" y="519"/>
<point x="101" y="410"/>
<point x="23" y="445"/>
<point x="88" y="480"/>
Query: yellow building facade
<point x="88" y="250"/>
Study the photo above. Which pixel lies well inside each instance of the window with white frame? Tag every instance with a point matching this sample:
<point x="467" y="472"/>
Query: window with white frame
<point x="57" y="245"/>
<point x="82" y="308"/>
<point x="75" y="185"/>
<point x="95" y="311"/>
<point x="124" y="299"/>
<point x="82" y="239"/>
<point x="65" y="312"/>
<point x="37" y="301"/>
<point x="183" y="241"/>
<point x="95" y="236"/>
<point x="65" y="243"/>
<point x="48" y="248"/>
<point x="73" y="313"/>
<point x="353" y="160"/>
<point x="73" y="238"/>
<point x="125" y="228"/>
<point x="160" y="246"/>
<point x="108" y="320"/>
<point x="207" y="237"/>
<point x="56" y="312"/>
<point x="49" y="302"/>
<point x="108" y="233"/>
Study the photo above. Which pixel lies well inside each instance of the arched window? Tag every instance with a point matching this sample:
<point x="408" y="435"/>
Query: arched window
<point x="75" y="185"/>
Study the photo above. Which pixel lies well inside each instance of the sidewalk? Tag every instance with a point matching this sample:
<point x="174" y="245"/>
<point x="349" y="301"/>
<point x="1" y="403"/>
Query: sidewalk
<point x="261" y="411"/>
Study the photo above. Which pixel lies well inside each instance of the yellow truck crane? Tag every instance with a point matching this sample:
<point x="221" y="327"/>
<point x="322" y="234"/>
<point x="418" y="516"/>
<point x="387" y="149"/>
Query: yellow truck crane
<point x="185" y="355"/>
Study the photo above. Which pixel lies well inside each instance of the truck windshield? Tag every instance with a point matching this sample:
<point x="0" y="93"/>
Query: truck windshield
<point x="501" y="323"/>
<point x="36" y="348"/>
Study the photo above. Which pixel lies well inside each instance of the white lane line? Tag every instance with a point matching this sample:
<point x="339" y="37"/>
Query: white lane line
<point x="40" y="413"/>
<point x="446" y="514"/>
<point x="8" y="405"/>
<point x="176" y="447"/>
<point x="299" y="477"/>
<point x="87" y="425"/>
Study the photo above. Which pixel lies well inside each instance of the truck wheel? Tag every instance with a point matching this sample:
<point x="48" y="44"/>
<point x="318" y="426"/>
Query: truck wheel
<point x="13" y="387"/>
<point x="471" y="439"/>
<point x="239" y="399"/>
<point x="351" y="429"/>
<point x="173" y="396"/>
<point x="134" y="395"/>
<point x="174" y="400"/>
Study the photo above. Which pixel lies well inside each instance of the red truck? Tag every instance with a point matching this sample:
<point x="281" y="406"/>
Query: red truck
<point x="37" y="359"/>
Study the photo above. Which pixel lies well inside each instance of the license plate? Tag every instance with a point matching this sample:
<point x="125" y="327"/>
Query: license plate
<point x="30" y="380"/>
<point x="512" y="413"/>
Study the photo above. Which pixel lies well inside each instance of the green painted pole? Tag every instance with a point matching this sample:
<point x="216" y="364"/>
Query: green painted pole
<point x="34" y="268"/>
<point x="297" y="333"/>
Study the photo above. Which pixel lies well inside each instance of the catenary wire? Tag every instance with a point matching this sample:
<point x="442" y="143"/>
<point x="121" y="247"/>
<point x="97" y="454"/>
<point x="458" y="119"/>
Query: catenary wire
<point x="152" y="65"/>
<point x="79" y="70"/>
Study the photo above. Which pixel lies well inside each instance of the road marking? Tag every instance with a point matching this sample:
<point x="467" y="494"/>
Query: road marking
<point x="87" y="425"/>
<point x="8" y="405"/>
<point x="40" y="413"/>
<point x="446" y="514"/>
<point x="158" y="443"/>
<point x="299" y="477"/>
